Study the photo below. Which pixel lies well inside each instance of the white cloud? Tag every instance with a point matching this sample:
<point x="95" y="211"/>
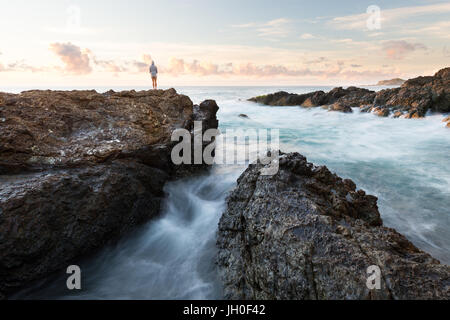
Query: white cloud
<point x="307" y="36"/>
<point x="358" y="21"/>
<point x="440" y="29"/>
<point x="271" y="29"/>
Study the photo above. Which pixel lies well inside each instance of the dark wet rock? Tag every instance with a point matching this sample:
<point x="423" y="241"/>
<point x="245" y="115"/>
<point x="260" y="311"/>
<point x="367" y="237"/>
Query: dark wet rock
<point x="79" y="169"/>
<point x="305" y="233"/>
<point x="283" y="98"/>
<point x="381" y="112"/>
<point x="244" y="116"/>
<point x="206" y="114"/>
<point x="50" y="219"/>
<point x="47" y="129"/>
<point x="366" y="108"/>
<point x="348" y="98"/>
<point x="337" y="106"/>
<point x="355" y="97"/>
<point x="414" y="98"/>
<point x="419" y="95"/>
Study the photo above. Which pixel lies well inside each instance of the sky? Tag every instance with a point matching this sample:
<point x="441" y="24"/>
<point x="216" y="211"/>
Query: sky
<point x="51" y="43"/>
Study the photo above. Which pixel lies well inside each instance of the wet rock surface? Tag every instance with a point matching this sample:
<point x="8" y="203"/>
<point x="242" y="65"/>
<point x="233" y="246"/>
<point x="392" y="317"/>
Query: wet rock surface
<point x="47" y="129"/>
<point x="447" y="120"/>
<point x="344" y="98"/>
<point x="413" y="99"/>
<point x="79" y="169"/>
<point x="305" y="233"/>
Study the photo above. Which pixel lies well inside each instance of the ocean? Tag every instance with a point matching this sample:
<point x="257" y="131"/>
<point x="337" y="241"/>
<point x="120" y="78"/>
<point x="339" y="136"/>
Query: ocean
<point x="404" y="162"/>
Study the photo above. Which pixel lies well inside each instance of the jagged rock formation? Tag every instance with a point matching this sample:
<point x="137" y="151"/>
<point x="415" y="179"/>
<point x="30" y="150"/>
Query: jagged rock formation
<point x="305" y="233"/>
<point x="412" y="100"/>
<point x="79" y="169"/>
<point x="338" y="99"/>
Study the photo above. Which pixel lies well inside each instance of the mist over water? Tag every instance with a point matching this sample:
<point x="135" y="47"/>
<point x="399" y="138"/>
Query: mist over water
<point x="404" y="162"/>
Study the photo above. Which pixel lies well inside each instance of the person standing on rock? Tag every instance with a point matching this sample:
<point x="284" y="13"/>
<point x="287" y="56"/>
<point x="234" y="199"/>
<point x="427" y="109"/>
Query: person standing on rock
<point x="154" y="73"/>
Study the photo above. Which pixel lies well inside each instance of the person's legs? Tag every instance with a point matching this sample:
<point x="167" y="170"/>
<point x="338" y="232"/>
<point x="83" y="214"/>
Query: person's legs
<point x="153" y="82"/>
<point x="156" y="83"/>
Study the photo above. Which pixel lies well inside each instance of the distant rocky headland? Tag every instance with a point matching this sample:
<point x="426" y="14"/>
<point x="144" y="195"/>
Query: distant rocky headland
<point x="79" y="169"/>
<point x="306" y="233"/>
<point x="392" y="82"/>
<point x="413" y="99"/>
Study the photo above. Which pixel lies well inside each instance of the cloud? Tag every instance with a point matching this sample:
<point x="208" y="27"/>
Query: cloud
<point x="399" y="49"/>
<point x="271" y="29"/>
<point x="244" y="25"/>
<point x="110" y="66"/>
<point x="336" y="69"/>
<point x="440" y="29"/>
<point x="277" y="28"/>
<point x="82" y="62"/>
<point x="75" y="60"/>
<point x="143" y="64"/>
<point x="307" y="36"/>
<point x="359" y="21"/>
<point x="316" y="61"/>
<point x="223" y="62"/>
<point x="178" y="67"/>
<point x="22" y="66"/>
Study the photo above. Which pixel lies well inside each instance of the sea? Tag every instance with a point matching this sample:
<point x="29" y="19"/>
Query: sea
<point x="404" y="162"/>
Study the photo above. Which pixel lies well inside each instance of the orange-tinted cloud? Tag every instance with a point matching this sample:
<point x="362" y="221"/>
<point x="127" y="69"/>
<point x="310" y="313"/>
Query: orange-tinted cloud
<point x="180" y="66"/>
<point x="143" y="64"/>
<point x="21" y="66"/>
<point x="76" y="61"/>
<point x="399" y="49"/>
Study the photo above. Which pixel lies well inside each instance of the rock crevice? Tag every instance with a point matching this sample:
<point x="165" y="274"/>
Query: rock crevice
<point x="79" y="169"/>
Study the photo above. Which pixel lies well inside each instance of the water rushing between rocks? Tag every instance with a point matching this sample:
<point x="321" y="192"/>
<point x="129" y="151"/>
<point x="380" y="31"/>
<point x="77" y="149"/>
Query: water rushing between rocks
<point x="404" y="162"/>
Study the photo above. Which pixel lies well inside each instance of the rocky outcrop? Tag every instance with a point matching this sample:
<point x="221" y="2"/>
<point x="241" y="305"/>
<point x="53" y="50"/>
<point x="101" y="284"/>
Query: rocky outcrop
<point x="391" y="82"/>
<point x="305" y="233"/>
<point x="447" y="121"/>
<point x="412" y="100"/>
<point x="338" y="99"/>
<point x="417" y="96"/>
<point x="79" y="169"/>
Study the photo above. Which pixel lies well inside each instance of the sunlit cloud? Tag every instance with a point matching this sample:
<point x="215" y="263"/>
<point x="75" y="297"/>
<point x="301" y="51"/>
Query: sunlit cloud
<point x="75" y="60"/>
<point x="22" y="66"/>
<point x="399" y="49"/>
